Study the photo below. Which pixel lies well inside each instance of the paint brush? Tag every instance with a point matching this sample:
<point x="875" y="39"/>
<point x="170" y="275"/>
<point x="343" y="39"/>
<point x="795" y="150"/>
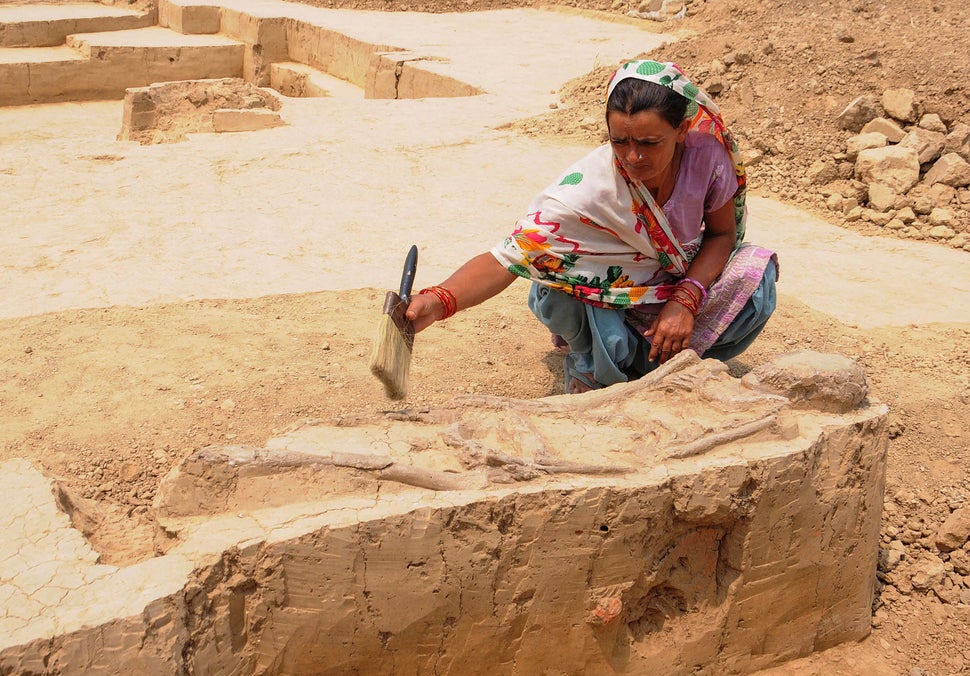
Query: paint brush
<point x="391" y="359"/>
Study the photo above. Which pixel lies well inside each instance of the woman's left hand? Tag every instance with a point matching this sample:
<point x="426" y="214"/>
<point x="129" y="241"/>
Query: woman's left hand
<point x="670" y="332"/>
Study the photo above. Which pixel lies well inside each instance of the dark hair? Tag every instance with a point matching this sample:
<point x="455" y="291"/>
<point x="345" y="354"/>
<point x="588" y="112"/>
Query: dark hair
<point x="632" y="96"/>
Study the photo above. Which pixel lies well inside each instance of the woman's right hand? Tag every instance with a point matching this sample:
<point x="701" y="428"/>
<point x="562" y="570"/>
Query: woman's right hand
<point x="474" y="282"/>
<point x="424" y="310"/>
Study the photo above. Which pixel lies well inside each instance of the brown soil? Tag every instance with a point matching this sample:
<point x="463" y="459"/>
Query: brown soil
<point x="109" y="399"/>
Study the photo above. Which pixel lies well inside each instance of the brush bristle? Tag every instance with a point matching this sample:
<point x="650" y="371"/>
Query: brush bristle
<point x="390" y="361"/>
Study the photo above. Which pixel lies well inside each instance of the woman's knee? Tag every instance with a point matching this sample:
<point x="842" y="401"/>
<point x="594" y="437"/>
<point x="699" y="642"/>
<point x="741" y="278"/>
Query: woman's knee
<point x="560" y="313"/>
<point x="766" y="290"/>
<point x="750" y="320"/>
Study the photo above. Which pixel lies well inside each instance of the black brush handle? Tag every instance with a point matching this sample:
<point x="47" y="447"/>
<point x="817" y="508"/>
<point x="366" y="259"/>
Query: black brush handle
<point x="407" y="279"/>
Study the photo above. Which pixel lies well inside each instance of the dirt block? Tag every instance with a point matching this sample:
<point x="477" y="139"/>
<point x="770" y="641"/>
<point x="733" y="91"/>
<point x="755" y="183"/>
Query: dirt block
<point x="686" y="522"/>
<point x="266" y="41"/>
<point x="73" y="80"/>
<point x="418" y="81"/>
<point x="49" y="24"/>
<point x="332" y="52"/>
<point x="14" y="84"/>
<point x="189" y="19"/>
<point x="294" y="79"/>
<point x="138" y="114"/>
<point x="166" y="112"/>
<point x="193" y="63"/>
<point x="382" y="77"/>
<point x="228" y="119"/>
<point x="401" y="76"/>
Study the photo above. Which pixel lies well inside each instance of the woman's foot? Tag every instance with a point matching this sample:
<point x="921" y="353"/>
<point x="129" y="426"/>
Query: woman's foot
<point x="578" y="382"/>
<point x="582" y="382"/>
<point x="559" y="344"/>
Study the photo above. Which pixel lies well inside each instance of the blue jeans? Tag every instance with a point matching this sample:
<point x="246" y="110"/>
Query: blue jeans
<point x="602" y="343"/>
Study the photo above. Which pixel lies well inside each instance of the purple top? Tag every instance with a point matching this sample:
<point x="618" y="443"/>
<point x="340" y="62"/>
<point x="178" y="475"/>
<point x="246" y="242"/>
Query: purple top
<point x="705" y="169"/>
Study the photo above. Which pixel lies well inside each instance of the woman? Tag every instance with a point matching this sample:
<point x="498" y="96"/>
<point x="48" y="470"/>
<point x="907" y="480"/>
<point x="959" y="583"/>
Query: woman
<point x="635" y="253"/>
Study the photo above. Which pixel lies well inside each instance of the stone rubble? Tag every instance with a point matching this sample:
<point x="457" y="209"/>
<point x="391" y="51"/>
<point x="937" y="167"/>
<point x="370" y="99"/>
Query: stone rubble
<point x="167" y="112"/>
<point x="922" y="555"/>
<point x="901" y="170"/>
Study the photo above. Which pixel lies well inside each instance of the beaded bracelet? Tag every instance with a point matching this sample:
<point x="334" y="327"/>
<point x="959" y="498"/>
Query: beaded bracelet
<point x="700" y="287"/>
<point x="446" y="297"/>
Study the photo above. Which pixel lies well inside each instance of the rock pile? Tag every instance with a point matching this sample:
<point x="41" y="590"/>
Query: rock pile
<point x="655" y="10"/>
<point x="901" y="170"/>
<point x="925" y="550"/>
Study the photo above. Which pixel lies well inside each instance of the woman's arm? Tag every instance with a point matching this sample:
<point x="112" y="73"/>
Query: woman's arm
<point x="720" y="237"/>
<point x="672" y="328"/>
<point x="474" y="282"/>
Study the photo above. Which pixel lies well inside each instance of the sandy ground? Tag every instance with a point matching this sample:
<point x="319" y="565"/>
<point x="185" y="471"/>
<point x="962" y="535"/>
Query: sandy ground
<point x="161" y="298"/>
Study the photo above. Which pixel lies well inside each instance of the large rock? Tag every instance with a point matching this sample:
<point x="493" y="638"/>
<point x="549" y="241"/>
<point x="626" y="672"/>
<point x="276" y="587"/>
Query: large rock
<point x="927" y="144"/>
<point x="864" y="141"/>
<point x="927" y="197"/>
<point x="958" y="140"/>
<point x="951" y="170"/>
<point x="858" y="113"/>
<point x="933" y="122"/>
<point x="687" y="521"/>
<point x="955" y="530"/>
<point x="893" y="166"/>
<point x="820" y="173"/>
<point x="928" y="572"/>
<point x="888" y="128"/>
<point x="882" y="198"/>
<point x="901" y="104"/>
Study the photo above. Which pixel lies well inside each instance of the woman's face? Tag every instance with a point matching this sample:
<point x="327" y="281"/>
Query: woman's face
<point x="645" y="143"/>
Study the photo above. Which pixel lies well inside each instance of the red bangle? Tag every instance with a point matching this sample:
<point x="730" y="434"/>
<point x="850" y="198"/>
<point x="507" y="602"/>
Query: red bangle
<point x="686" y="303"/>
<point x="697" y="285"/>
<point x="695" y="297"/>
<point x="445" y="297"/>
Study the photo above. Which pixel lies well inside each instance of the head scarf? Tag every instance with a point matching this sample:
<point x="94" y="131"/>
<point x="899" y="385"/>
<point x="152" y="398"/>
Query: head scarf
<point x="704" y="116"/>
<point x="666" y="74"/>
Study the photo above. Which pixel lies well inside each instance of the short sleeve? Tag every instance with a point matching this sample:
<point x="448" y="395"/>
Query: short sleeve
<point x="724" y="181"/>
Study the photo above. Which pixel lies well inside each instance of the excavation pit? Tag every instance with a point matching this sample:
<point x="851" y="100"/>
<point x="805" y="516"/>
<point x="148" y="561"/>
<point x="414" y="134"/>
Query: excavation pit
<point x="51" y="53"/>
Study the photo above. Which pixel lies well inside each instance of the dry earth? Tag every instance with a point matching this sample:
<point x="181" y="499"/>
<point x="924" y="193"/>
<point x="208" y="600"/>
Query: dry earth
<point x="108" y="399"/>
